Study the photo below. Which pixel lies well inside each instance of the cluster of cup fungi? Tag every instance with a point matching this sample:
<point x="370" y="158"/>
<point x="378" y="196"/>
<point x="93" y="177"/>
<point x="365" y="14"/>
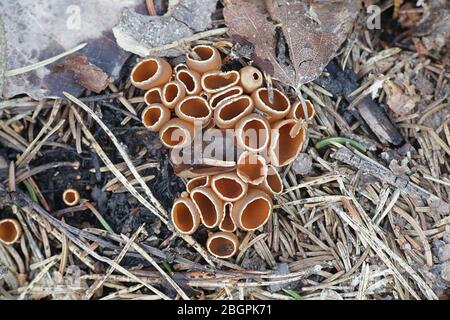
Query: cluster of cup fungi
<point x="196" y="96"/>
<point x="193" y="97"/>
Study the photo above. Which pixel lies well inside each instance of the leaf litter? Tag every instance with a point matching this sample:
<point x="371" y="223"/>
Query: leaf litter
<point x="312" y="33"/>
<point x="362" y="217"/>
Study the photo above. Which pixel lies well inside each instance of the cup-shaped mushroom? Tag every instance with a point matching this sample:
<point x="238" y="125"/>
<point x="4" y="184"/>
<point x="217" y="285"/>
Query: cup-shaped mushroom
<point x="197" y="182"/>
<point x="299" y="112"/>
<point x="273" y="184"/>
<point x="222" y="244"/>
<point x="155" y="116"/>
<point x="176" y="133"/>
<point x="10" y="231"/>
<point x="194" y="109"/>
<point x="204" y="59"/>
<point x="191" y="81"/>
<point x="287" y="140"/>
<point x="253" y="211"/>
<point x="227" y="224"/>
<point x="252" y="168"/>
<point x="216" y="81"/>
<point x="221" y="96"/>
<point x="185" y="216"/>
<point x="71" y="197"/>
<point x="153" y="96"/>
<point x="253" y="133"/>
<point x="209" y="205"/>
<point x="251" y="79"/>
<point x="277" y="109"/>
<point x="230" y="111"/>
<point x="229" y="187"/>
<point x="172" y="93"/>
<point x="151" y="73"/>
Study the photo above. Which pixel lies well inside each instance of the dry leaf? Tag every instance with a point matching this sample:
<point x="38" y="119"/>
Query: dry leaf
<point x="88" y="75"/>
<point x="398" y="100"/>
<point x="140" y="34"/>
<point x="38" y="30"/>
<point x="312" y="32"/>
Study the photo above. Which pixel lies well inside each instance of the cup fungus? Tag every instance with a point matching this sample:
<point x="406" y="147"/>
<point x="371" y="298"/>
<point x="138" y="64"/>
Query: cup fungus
<point x="209" y="205"/>
<point x="273" y="184"/>
<point x="253" y="133"/>
<point x="176" y="133"/>
<point x="155" y="116"/>
<point x="227" y="224"/>
<point x="172" y="93"/>
<point x="228" y="186"/>
<point x="222" y="244"/>
<point x="204" y="59"/>
<point x="230" y="111"/>
<point x="222" y="95"/>
<point x="151" y="73"/>
<point x="10" y="231"/>
<point x="286" y="142"/>
<point x="252" y="168"/>
<point x="251" y="79"/>
<point x="71" y="197"/>
<point x="253" y="211"/>
<point x="275" y="110"/>
<point x="216" y="81"/>
<point x="194" y="109"/>
<point x="202" y="181"/>
<point x="298" y="111"/>
<point x="153" y="96"/>
<point x="191" y="81"/>
<point x="185" y="216"/>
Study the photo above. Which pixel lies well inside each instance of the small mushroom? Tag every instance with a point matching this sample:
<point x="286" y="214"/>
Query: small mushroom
<point x="216" y="81"/>
<point x="151" y="73"/>
<point x="275" y="110"/>
<point x="221" y="96"/>
<point x="227" y="224"/>
<point x="253" y="211"/>
<point x="191" y="81"/>
<point x="204" y="59"/>
<point x="252" y="168"/>
<point x="155" y="116"/>
<point x="273" y="184"/>
<point x="172" y="93"/>
<point x="185" y="216"/>
<point x="253" y="133"/>
<point x="298" y="111"/>
<point x="228" y="186"/>
<point x="194" y="109"/>
<point x="71" y="197"/>
<point x="251" y="79"/>
<point x="176" y="133"/>
<point x="202" y="181"/>
<point x="286" y="142"/>
<point x="10" y="231"/>
<point x="209" y="205"/>
<point x="230" y="111"/>
<point x="153" y="96"/>
<point x="222" y="244"/>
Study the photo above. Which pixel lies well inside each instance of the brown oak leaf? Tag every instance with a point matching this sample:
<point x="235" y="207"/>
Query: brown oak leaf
<point x="313" y="31"/>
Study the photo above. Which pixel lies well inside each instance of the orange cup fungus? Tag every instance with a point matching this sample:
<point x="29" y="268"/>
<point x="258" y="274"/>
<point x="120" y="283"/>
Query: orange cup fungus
<point x="267" y="128"/>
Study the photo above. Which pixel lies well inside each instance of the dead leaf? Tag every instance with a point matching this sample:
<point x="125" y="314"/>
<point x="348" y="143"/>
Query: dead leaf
<point x="89" y="76"/>
<point x="312" y="31"/>
<point x="38" y="30"/>
<point x="398" y="100"/>
<point x="139" y="34"/>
